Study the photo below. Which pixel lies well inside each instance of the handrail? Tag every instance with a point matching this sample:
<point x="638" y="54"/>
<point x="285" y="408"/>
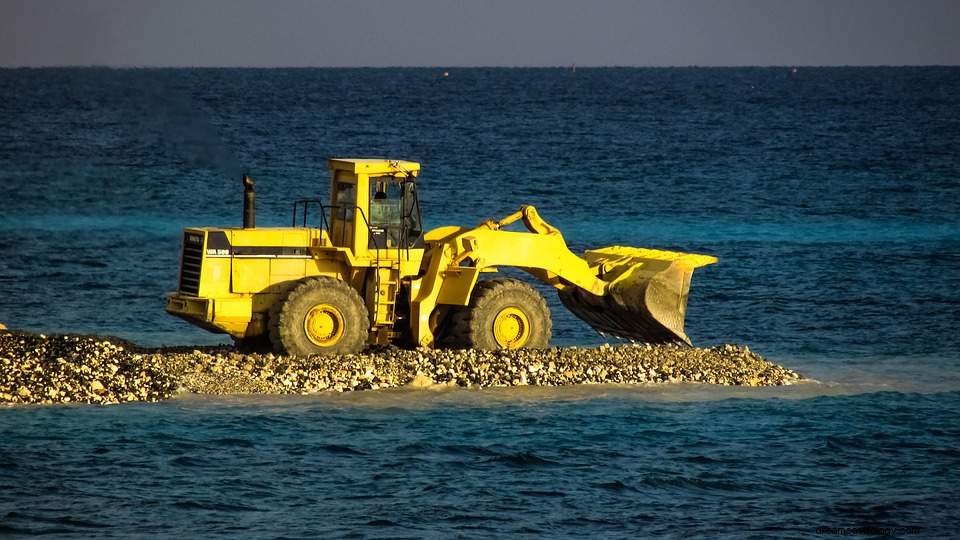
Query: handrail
<point x="306" y="204"/>
<point x="324" y="223"/>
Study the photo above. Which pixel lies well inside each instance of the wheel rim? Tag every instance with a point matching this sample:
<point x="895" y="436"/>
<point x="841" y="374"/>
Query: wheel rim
<point x="323" y="325"/>
<point x="511" y="328"/>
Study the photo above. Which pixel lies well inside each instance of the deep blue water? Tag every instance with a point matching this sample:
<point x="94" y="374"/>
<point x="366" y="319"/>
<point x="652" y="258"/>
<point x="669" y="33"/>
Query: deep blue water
<point x="831" y="198"/>
<point x="528" y="464"/>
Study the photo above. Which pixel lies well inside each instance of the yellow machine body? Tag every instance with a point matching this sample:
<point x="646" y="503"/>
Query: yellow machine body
<point x="233" y="280"/>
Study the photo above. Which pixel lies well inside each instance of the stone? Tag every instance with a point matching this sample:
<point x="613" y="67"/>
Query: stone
<point x="91" y="369"/>
<point x="420" y="380"/>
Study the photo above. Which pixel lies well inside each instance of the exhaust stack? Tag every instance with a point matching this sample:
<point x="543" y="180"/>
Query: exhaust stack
<point x="249" y="203"/>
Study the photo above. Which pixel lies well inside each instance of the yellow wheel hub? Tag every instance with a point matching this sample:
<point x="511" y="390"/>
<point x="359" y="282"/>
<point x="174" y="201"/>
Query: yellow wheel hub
<point x="511" y="328"/>
<point x="324" y="325"/>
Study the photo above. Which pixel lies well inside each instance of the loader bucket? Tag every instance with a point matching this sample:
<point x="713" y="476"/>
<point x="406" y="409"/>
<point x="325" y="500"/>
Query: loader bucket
<point x="646" y="299"/>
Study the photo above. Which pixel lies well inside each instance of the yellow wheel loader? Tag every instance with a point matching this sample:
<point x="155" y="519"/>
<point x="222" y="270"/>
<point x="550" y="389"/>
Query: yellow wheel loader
<point x="367" y="273"/>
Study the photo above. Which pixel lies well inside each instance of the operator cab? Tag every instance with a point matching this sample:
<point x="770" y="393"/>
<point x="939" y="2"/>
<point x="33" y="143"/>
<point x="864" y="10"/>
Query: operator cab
<point x="375" y="200"/>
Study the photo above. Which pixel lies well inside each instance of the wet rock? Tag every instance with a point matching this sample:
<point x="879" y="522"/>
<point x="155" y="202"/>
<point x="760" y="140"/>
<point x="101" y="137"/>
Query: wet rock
<point x="36" y="368"/>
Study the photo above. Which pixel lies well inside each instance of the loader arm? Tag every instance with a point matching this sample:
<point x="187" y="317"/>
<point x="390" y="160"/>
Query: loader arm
<point x="629" y="292"/>
<point x="458" y="255"/>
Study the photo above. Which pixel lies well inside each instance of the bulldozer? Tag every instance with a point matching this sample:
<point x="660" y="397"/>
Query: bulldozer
<point x="359" y="270"/>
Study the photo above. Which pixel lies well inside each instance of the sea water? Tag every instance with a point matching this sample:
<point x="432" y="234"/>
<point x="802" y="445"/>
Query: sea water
<point x="830" y="196"/>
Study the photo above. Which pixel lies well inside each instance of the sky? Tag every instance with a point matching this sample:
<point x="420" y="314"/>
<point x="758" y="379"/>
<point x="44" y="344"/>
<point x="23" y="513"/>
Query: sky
<point x="347" y="33"/>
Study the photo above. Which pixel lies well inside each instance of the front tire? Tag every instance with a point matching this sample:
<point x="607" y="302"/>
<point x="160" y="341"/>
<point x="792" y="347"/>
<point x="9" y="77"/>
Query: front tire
<point x="319" y="316"/>
<point x="503" y="314"/>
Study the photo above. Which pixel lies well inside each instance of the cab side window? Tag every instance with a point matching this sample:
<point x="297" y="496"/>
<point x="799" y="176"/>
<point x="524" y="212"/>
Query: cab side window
<point x="346" y="200"/>
<point x="385" y="212"/>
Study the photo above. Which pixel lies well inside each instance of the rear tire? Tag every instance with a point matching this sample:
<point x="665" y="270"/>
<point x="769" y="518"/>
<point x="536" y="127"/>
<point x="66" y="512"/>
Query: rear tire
<point x="503" y="314"/>
<point x="319" y="316"/>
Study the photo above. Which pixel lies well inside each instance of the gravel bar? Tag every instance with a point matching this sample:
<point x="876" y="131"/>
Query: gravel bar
<point x="38" y="368"/>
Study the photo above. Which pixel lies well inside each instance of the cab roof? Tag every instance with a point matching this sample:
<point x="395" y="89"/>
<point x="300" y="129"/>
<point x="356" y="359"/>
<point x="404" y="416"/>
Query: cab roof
<point x="373" y="166"/>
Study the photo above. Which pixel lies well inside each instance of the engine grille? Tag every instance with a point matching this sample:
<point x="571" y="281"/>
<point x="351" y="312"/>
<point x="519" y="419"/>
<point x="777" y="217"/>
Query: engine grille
<point x="191" y="262"/>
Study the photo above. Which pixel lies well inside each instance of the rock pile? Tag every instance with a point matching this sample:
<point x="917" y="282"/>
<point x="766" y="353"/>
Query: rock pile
<point x="56" y="369"/>
<point x="35" y="368"/>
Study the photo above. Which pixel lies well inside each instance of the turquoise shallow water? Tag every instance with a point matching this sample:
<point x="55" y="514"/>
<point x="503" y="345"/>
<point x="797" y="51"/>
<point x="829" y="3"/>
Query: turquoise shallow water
<point x="830" y="198"/>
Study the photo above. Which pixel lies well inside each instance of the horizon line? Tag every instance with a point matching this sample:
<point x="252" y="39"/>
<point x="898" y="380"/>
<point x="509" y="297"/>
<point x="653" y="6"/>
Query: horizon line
<point x="477" y="66"/>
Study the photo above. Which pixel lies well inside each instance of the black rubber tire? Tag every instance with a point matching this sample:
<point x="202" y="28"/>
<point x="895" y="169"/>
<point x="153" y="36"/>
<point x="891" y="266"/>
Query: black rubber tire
<point x="251" y="345"/>
<point x="472" y="326"/>
<point x="287" y="333"/>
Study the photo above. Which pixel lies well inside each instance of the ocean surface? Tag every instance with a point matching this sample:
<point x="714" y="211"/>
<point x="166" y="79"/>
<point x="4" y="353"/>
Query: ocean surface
<point x="830" y="195"/>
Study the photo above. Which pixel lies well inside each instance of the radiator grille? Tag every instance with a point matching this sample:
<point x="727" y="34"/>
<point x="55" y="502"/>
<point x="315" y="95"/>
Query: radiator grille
<point x="191" y="262"/>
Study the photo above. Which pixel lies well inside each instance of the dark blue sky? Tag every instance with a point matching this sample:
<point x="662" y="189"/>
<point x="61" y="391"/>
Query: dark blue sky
<point x="478" y="32"/>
